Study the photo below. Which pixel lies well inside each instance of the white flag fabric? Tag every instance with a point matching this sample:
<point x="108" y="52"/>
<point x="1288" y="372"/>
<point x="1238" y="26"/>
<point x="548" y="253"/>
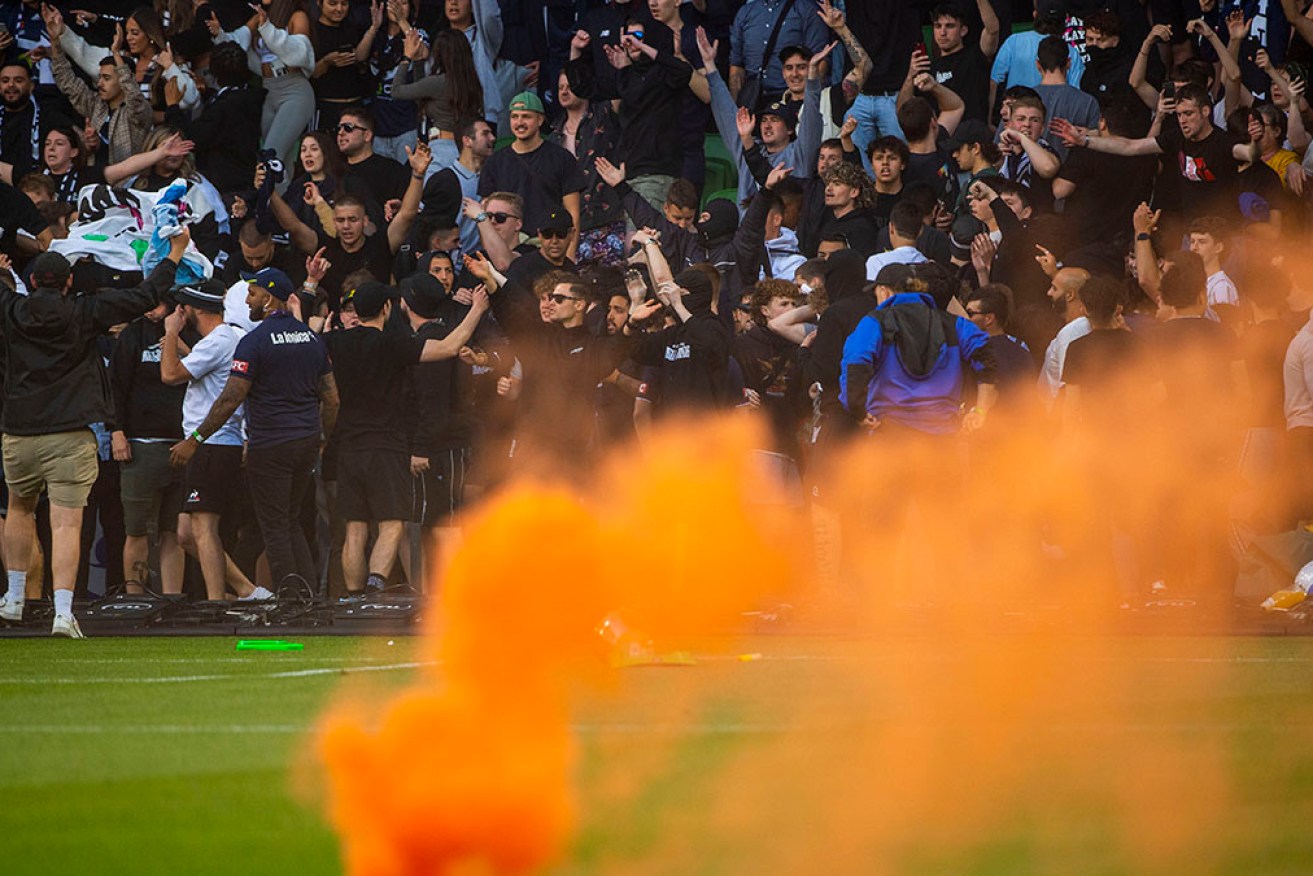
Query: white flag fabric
<point x="114" y="227"/>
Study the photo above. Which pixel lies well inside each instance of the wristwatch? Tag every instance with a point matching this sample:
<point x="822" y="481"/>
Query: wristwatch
<point x="481" y="218"/>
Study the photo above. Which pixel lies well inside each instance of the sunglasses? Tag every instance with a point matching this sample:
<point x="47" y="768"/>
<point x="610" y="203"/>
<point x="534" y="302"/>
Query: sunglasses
<point x="502" y="218"/>
<point x="553" y="234"/>
<point x="558" y="298"/>
<point x="348" y="127"/>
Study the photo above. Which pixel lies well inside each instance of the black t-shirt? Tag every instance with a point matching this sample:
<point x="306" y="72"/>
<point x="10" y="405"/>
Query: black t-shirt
<point x="529" y="267"/>
<point x="1108" y="189"/>
<point x="1260" y="192"/>
<point x="935" y="169"/>
<point x="339" y="83"/>
<point x="1014" y="366"/>
<point x="375" y="256"/>
<point x="860" y="227"/>
<point x="1208" y="171"/>
<point x="542" y="177"/>
<point x="16" y="137"/>
<point x="386" y="178"/>
<point x="1108" y="368"/>
<point x="884" y="205"/>
<point x="1194" y="356"/>
<point x="17" y="211"/>
<point x="369" y="366"/>
<point x="966" y="74"/>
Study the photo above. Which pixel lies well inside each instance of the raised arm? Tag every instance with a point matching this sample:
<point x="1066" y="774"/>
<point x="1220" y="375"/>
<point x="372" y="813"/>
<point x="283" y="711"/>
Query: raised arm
<point x="1044" y="162"/>
<point x="173" y="147"/>
<point x="792" y="324"/>
<point x="1145" y="222"/>
<point x="419" y="159"/>
<point x="499" y="252"/>
<point x="449" y="347"/>
<point x="723" y="109"/>
<point x="1302" y="25"/>
<point x="1139" y="70"/>
<point x="657" y="264"/>
<point x="951" y="107"/>
<point x="989" y="28"/>
<point x="1074" y="135"/>
<point x="836" y="21"/>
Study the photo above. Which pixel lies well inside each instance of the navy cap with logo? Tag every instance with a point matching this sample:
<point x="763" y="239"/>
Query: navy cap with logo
<point x="207" y="296"/>
<point x="368" y="298"/>
<point x="785" y="110"/>
<point x="278" y="284"/>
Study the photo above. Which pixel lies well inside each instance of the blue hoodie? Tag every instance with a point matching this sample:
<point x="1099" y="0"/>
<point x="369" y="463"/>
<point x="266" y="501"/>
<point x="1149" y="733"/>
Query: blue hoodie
<point x="907" y="361"/>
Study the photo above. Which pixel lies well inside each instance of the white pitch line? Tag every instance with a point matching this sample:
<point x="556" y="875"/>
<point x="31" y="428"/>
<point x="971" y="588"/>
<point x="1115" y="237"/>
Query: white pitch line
<point x="182" y="679"/>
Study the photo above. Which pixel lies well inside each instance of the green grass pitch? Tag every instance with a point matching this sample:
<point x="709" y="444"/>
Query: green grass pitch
<point x="164" y="756"/>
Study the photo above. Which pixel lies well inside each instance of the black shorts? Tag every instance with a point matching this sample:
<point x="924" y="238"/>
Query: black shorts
<point x="440" y="491"/>
<point x="213" y="479"/>
<point x="374" y="485"/>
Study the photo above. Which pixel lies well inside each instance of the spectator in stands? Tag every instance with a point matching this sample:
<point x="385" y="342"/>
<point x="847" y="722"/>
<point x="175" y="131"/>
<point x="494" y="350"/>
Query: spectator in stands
<point x="1015" y="63"/>
<point x="450" y="93"/>
<point x="341" y="49"/>
<point x="23" y="125"/>
<point x="228" y="141"/>
<point x="793" y="24"/>
<point x="990" y="308"/>
<point x="385" y="178"/>
<point x="1061" y="100"/>
<point x="544" y="174"/>
<point x="1107" y="72"/>
<point x="115" y="109"/>
<point x="590" y="130"/>
<point x="446" y="190"/>
<point x="904" y="229"/>
<point x="651" y="80"/>
<point x="277" y="44"/>
<point x="963" y="69"/>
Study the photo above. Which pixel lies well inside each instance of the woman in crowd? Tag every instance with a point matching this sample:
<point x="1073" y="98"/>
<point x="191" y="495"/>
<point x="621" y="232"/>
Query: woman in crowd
<point x="449" y="94"/>
<point x="341" y="50"/>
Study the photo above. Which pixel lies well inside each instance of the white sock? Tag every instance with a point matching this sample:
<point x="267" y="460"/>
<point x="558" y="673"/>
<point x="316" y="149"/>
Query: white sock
<point x="17" y="587"/>
<point x="64" y="603"/>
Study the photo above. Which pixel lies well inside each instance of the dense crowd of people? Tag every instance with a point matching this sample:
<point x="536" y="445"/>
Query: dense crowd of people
<point x="283" y="278"/>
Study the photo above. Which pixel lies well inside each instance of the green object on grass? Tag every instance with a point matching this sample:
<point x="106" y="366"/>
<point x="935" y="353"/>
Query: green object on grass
<point x="268" y="645"/>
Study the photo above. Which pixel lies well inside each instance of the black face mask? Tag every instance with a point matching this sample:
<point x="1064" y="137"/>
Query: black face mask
<point x="721" y="222"/>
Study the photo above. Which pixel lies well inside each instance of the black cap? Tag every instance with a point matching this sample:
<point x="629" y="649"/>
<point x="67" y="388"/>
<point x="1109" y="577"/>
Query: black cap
<point x="207" y="296"/>
<point x="785" y="110"/>
<point x="557" y="220"/>
<point x="423" y="294"/>
<point x="49" y="270"/>
<point x="895" y="277"/>
<point x="969" y="131"/>
<point x="368" y="298"/>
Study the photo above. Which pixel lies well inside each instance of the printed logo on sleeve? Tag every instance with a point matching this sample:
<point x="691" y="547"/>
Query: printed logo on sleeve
<point x="241" y="366"/>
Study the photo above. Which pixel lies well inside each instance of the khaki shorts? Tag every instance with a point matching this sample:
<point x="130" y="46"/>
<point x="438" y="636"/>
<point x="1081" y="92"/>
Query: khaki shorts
<point x="64" y="463"/>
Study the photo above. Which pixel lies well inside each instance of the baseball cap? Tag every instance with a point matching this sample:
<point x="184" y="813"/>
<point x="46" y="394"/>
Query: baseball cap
<point x="785" y="110"/>
<point x="527" y="100"/>
<point x="49" y="270"/>
<point x="278" y="284"/>
<point x="969" y="131"/>
<point x="368" y="298"/>
<point x="895" y="277"/>
<point x="207" y="296"/>
<point x="557" y="220"/>
<point x="423" y="294"/>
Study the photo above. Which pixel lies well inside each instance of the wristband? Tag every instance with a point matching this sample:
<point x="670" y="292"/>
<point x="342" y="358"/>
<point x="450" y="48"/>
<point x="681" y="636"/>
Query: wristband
<point x="1143" y="236"/>
<point x="196" y="433"/>
<point x="416" y="175"/>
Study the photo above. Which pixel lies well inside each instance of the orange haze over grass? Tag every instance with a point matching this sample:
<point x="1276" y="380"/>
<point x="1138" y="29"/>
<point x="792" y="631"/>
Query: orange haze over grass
<point x="990" y="719"/>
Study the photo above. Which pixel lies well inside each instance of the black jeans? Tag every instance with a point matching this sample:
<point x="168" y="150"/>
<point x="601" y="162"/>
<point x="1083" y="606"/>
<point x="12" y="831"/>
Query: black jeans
<point x="280" y="477"/>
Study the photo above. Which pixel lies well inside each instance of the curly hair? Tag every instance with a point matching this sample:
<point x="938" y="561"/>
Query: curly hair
<point x="848" y="174"/>
<point x="765" y="291"/>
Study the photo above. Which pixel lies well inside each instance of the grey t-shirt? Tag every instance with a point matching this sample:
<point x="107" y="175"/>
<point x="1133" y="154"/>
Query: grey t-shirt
<point x="1072" y="104"/>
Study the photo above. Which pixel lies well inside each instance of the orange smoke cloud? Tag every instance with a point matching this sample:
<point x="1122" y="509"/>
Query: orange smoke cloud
<point x="471" y="769"/>
<point x="1006" y="557"/>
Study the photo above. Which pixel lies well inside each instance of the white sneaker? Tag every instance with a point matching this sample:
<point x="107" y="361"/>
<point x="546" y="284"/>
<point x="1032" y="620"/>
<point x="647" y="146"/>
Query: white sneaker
<point x="66" y="625"/>
<point x="259" y="594"/>
<point x="10" y="611"/>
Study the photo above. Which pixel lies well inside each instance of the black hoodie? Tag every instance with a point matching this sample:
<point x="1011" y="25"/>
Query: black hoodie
<point x="651" y="94"/>
<point x="692" y="356"/>
<point x="845" y="276"/>
<point x="54" y="378"/>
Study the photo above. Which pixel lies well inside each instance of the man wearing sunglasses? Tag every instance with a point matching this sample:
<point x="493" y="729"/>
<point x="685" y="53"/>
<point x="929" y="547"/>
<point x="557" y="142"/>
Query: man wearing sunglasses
<point x="554" y="235"/>
<point x="386" y="178"/>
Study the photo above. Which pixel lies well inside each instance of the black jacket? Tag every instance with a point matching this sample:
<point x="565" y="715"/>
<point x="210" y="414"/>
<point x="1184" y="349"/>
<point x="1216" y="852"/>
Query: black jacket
<point x="54" y="379"/>
<point x="693" y="358"/>
<point x="144" y="405"/>
<point x="228" y="137"/>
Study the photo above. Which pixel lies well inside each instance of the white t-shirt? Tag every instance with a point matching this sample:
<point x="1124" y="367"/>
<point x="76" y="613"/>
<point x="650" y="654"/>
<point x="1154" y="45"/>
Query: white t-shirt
<point x="902" y="255"/>
<point x="1055" y="357"/>
<point x="208" y="363"/>
<point x="1221" y="290"/>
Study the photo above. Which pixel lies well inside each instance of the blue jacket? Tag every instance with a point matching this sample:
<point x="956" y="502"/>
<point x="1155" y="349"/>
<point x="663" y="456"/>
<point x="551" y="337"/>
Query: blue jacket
<point x="907" y="361"/>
